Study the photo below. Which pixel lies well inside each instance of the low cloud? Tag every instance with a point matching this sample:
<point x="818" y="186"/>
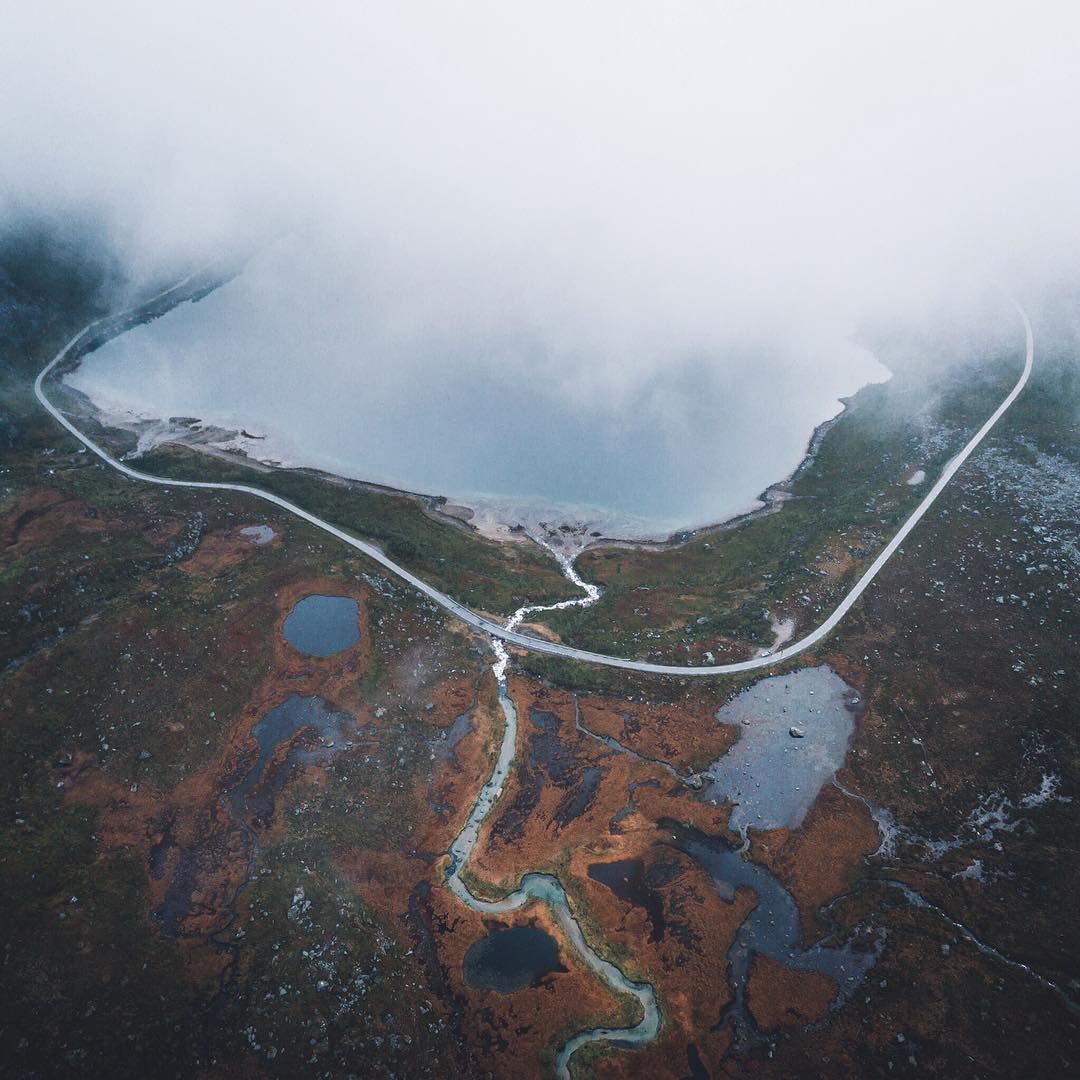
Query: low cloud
<point x="603" y="192"/>
<point x="636" y="150"/>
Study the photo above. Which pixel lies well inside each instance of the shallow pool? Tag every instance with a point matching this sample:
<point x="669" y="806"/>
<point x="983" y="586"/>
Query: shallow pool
<point x="794" y="733"/>
<point x="323" y="625"/>
<point x="511" y="959"/>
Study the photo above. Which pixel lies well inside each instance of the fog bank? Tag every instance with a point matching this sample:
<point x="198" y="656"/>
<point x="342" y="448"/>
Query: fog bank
<point x="634" y="165"/>
<point x="588" y="200"/>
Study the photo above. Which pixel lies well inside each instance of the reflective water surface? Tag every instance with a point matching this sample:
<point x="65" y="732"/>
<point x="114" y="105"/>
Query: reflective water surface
<point x="521" y="421"/>
<point x="322" y="625"/>
<point x="511" y="959"/>
<point x="794" y="732"/>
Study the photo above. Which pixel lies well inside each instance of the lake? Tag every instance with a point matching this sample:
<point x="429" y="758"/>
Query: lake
<point x="520" y="421"/>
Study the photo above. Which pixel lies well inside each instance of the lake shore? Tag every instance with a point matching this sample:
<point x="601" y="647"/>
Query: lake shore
<point x="505" y="520"/>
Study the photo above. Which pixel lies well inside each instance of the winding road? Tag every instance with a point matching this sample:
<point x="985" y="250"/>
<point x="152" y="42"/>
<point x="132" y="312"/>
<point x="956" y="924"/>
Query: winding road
<point x="534" y="886"/>
<point x="508" y="633"/>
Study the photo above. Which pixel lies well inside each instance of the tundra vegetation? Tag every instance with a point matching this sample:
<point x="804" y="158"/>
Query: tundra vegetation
<point x="161" y="920"/>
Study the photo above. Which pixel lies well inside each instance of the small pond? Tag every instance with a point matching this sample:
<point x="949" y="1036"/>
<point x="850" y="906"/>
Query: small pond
<point x="629" y="880"/>
<point x="794" y="733"/>
<point x="511" y="959"/>
<point x="330" y="731"/>
<point x="258" y="534"/>
<point x="323" y="625"/>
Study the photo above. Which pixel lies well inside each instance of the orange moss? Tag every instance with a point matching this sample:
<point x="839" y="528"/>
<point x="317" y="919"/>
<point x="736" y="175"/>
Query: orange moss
<point x="530" y="1023"/>
<point x="383" y="878"/>
<point x="223" y="548"/>
<point x="685" y="735"/>
<point x="824" y="856"/>
<point x="36" y="519"/>
<point x="686" y="957"/>
<point x="778" y="997"/>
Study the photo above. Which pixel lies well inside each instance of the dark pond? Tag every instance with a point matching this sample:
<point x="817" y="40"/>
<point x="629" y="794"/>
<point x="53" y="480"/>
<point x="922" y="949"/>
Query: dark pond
<point x="628" y="880"/>
<point x="444" y="746"/>
<point x="176" y="904"/>
<point x="329" y="732"/>
<point x="511" y="959"/>
<point x="323" y="625"/>
<point x="576" y="801"/>
<point x="695" y="1064"/>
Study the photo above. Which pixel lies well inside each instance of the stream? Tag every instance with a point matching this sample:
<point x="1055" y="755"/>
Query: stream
<point x="545" y="887"/>
<point x="772" y="929"/>
<point x="795" y="731"/>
